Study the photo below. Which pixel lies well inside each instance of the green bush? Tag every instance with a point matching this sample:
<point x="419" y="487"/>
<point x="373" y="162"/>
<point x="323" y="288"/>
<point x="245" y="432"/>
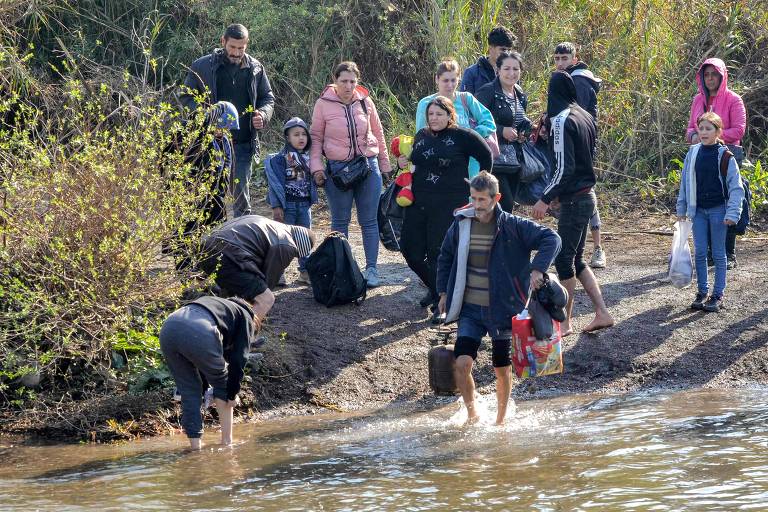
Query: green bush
<point x="85" y="213"/>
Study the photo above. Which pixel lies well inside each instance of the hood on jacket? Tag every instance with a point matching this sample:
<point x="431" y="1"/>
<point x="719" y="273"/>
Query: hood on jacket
<point x="293" y="123"/>
<point x="580" y="69"/>
<point x="561" y="93"/>
<point x="721" y="69"/>
<point x="329" y="93"/>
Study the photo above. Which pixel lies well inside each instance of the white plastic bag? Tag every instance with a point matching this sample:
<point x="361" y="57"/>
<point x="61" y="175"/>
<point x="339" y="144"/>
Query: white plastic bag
<point x="680" y="264"/>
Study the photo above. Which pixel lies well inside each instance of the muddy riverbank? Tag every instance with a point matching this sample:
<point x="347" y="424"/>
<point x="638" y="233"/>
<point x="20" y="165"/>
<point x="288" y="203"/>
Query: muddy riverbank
<point x="374" y="355"/>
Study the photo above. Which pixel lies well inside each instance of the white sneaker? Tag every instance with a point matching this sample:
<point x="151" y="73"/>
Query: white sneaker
<point x="598" y="258"/>
<point x="303" y="277"/>
<point x="371" y="276"/>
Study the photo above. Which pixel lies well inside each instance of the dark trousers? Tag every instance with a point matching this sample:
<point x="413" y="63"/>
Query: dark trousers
<point x="573" y="228"/>
<point x="424" y="226"/>
<point x="508" y="184"/>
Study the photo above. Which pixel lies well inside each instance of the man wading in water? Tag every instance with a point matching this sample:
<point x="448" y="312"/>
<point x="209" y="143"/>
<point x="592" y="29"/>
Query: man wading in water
<point x="484" y="272"/>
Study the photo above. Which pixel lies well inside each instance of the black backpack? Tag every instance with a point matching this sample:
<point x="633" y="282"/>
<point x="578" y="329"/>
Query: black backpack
<point x="746" y="206"/>
<point x="334" y="273"/>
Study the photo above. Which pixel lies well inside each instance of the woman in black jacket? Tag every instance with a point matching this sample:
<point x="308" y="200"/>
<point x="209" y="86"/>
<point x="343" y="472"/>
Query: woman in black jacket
<point x="441" y="153"/>
<point x="507" y="102"/>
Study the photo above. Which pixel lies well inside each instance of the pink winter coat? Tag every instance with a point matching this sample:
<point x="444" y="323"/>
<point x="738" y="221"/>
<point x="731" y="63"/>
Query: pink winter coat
<point x="726" y="103"/>
<point x="331" y="134"/>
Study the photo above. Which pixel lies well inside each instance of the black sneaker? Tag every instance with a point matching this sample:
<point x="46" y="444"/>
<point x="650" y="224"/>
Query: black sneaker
<point x="713" y="304"/>
<point x="698" y="302"/>
<point x="732" y="263"/>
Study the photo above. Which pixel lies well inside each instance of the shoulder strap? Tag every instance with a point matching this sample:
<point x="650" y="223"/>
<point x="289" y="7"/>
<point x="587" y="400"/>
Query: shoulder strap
<point x="724" y="162"/>
<point x="364" y="104"/>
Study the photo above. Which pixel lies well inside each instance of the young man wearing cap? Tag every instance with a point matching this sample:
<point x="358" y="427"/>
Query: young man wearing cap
<point x="484" y="273"/>
<point x="291" y="191"/>
<point x="232" y="75"/>
<point x="247" y="255"/>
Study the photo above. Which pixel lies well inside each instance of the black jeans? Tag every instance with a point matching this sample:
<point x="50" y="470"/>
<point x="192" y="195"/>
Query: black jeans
<point x="573" y="228"/>
<point x="508" y="185"/>
<point x="424" y="226"/>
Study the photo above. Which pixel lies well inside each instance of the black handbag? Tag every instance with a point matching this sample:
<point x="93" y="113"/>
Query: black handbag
<point x="352" y="173"/>
<point x="508" y="161"/>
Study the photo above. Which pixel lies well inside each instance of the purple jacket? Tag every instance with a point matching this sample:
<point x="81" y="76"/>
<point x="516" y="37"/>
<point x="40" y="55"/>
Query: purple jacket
<point x="726" y="103"/>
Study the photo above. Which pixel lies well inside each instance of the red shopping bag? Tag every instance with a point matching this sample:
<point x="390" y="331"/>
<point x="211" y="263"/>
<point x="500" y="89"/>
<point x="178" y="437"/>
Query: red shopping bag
<point x="532" y="357"/>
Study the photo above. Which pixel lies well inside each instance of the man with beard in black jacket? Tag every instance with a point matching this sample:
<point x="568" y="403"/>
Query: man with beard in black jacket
<point x="571" y="148"/>
<point x="232" y="75"/>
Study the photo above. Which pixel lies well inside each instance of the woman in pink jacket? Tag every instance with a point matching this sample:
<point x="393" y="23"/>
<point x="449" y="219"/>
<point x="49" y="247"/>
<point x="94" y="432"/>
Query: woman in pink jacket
<point x="715" y="96"/>
<point x="346" y="125"/>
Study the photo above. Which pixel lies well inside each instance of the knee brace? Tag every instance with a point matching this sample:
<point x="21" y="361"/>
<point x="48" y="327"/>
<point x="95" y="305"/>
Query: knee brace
<point x="466" y="346"/>
<point x="501" y="356"/>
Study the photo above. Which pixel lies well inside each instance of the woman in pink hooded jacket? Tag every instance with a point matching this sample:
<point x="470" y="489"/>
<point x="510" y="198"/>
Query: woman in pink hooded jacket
<point x="715" y="96"/>
<point x="345" y="125"/>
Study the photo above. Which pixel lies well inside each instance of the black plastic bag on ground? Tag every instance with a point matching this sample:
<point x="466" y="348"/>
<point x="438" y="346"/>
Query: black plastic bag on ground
<point x="390" y="217"/>
<point x="335" y="275"/>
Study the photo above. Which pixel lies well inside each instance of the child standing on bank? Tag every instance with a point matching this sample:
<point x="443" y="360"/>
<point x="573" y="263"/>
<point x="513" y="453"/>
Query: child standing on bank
<point x="291" y="190"/>
<point x="710" y="195"/>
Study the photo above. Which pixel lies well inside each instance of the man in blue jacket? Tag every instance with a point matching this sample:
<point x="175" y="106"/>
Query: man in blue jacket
<point x="484" y="70"/>
<point x="232" y="75"/>
<point x="484" y="273"/>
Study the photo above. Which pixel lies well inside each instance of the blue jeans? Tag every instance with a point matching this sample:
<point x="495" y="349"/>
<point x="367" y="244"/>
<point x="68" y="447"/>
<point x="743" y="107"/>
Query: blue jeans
<point x="298" y="213"/>
<point x="366" y="196"/>
<point x="709" y="221"/>
<point x="241" y="181"/>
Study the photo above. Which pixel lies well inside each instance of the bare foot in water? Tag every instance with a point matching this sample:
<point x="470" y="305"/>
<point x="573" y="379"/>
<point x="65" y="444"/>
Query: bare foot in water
<point x="601" y="321"/>
<point x="471" y="420"/>
<point x="472" y="416"/>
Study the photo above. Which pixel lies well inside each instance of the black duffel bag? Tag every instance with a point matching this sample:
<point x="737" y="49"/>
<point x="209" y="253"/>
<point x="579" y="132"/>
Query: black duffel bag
<point x="390" y="217"/>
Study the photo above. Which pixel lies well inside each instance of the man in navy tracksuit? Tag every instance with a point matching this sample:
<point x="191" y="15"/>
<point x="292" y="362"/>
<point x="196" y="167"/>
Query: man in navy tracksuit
<point x="484" y="272"/>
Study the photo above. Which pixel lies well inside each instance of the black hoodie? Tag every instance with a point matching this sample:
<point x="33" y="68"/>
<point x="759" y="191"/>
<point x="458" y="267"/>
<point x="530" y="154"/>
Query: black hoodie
<point x="571" y="141"/>
<point x="234" y="320"/>
<point x="587" y="87"/>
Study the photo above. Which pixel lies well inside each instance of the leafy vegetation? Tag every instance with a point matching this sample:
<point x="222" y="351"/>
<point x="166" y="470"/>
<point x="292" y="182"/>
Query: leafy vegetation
<point x="88" y="110"/>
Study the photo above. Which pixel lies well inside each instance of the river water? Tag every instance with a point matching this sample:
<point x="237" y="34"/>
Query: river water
<point x="700" y="450"/>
